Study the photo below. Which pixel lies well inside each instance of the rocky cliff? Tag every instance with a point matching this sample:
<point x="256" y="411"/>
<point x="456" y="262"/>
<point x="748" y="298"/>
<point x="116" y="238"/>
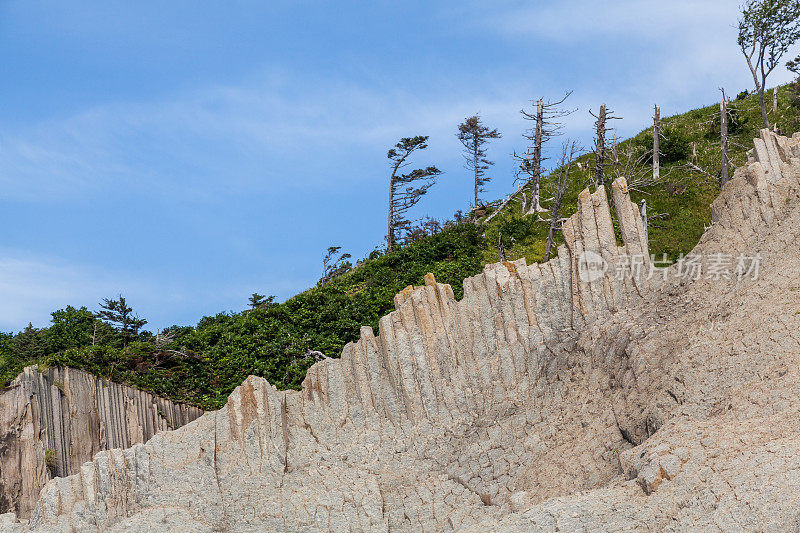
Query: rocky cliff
<point x="53" y="421"/>
<point x="596" y="392"/>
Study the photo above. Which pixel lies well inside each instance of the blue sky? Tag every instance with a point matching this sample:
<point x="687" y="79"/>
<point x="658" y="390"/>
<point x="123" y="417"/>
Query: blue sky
<point x="187" y="154"/>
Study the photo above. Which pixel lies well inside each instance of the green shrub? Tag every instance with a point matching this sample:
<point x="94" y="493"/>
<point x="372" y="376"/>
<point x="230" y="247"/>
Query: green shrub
<point x="674" y="144"/>
<point x="202" y="364"/>
<point x="737" y="123"/>
<point x="51" y="461"/>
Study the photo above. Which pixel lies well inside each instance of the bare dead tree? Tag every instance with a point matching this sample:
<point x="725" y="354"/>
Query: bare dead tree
<point x="723" y="128"/>
<point x="473" y="135"/>
<point x="546" y="125"/>
<point x="767" y="29"/>
<point x="500" y="247"/>
<point x="569" y="149"/>
<point x="645" y="222"/>
<point x="601" y="160"/>
<point x="656" y="139"/>
<point x="633" y="165"/>
<point x="507" y="201"/>
<point x="691" y="167"/>
<point x="406" y="190"/>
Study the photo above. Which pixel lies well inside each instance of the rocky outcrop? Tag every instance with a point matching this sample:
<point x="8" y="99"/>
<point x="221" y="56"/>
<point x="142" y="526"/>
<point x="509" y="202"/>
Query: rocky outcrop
<point x="53" y="421"/>
<point x="595" y="392"/>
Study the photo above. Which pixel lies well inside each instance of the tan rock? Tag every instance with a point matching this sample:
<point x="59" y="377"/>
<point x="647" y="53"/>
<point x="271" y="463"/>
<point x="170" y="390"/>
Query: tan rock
<point x="52" y="422"/>
<point x="539" y="402"/>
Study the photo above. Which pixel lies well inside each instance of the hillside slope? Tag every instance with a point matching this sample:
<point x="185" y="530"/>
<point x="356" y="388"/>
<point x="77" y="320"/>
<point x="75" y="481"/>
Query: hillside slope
<point x="548" y="398"/>
<point x="202" y="365"/>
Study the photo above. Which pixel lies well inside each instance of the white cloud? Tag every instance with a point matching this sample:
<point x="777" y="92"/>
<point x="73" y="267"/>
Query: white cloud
<point x="221" y="138"/>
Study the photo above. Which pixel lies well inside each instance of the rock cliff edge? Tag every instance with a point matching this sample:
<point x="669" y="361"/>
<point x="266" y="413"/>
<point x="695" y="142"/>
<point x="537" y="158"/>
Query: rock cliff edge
<point x="565" y="396"/>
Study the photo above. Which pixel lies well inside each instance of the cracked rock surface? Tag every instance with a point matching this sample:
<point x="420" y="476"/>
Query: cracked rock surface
<point x="541" y="401"/>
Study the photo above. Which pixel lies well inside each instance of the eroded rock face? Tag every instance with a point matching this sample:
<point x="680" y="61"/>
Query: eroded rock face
<point x="546" y="399"/>
<point x="52" y="422"/>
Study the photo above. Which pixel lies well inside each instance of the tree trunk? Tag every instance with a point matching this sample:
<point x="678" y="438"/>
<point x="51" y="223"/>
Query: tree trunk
<point x="506" y="202"/>
<point x="549" y="243"/>
<point x="614" y="150"/>
<point x="656" y="143"/>
<point x="645" y="222"/>
<point x="775" y="99"/>
<point x="763" y="105"/>
<point x="390" y="231"/>
<point x="475" y="162"/>
<point x="535" y="206"/>
<point x="723" y="121"/>
<point x="600" y="146"/>
<point x="759" y="88"/>
<point x="694" y="152"/>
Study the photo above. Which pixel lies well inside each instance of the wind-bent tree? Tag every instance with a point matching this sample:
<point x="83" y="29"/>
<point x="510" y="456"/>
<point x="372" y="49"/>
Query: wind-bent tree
<point x="121" y="317"/>
<point x="545" y="127"/>
<point x="767" y="29"/>
<point x="474" y="135"/>
<point x="406" y="190"/>
<point x="332" y="265"/>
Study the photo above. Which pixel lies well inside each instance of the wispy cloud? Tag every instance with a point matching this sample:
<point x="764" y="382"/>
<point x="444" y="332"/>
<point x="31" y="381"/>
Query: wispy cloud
<point x="258" y="170"/>
<point x="222" y="138"/>
<point x="31" y="288"/>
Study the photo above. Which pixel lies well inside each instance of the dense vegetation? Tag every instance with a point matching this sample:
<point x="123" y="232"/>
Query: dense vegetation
<point x="203" y="364"/>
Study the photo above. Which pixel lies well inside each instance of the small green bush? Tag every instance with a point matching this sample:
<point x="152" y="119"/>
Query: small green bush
<point x="737" y="123"/>
<point x="674" y="144"/>
<point x="51" y="461"/>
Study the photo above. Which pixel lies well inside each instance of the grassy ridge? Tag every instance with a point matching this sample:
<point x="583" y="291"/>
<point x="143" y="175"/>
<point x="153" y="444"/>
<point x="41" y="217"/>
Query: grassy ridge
<point x="682" y="200"/>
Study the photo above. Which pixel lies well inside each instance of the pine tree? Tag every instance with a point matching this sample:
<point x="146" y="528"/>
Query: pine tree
<point x="121" y="317"/>
<point x="474" y="135"/>
<point x="333" y="266"/>
<point x="403" y="199"/>
<point x="259" y="300"/>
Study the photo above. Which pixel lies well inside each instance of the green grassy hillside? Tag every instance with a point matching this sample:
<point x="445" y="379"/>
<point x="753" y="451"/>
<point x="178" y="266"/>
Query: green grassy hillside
<point x="203" y="364"/>
<point x="683" y="198"/>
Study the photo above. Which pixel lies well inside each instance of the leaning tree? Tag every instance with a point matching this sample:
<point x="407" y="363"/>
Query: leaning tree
<point x="767" y="29"/>
<point x="406" y="190"/>
<point x="473" y="134"/>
